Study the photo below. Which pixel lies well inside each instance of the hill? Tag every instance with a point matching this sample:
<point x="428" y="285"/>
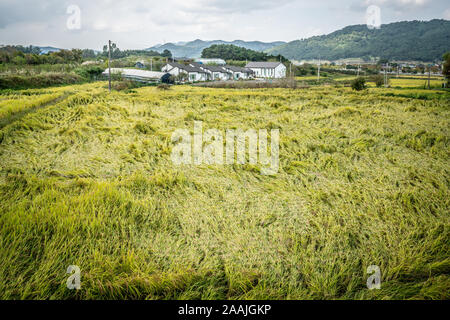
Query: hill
<point x="193" y="49"/>
<point x="232" y="52"/>
<point x="407" y="40"/>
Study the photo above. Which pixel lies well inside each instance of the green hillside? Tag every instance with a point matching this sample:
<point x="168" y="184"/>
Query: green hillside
<point x="408" y="40"/>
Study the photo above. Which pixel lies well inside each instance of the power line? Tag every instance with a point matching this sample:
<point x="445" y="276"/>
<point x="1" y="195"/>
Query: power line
<point x="109" y="63"/>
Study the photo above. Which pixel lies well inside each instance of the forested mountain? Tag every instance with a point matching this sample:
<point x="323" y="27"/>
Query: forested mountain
<point x="408" y="40"/>
<point x="194" y="48"/>
<point x="232" y="52"/>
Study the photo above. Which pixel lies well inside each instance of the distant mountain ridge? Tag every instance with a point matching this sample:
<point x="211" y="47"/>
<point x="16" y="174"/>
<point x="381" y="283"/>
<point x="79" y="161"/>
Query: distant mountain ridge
<point x="193" y="49"/>
<point x="407" y="40"/>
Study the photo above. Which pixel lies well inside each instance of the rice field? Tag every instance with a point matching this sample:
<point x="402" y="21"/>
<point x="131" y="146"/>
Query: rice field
<point x="13" y="104"/>
<point x="87" y="179"/>
<point x="415" y="83"/>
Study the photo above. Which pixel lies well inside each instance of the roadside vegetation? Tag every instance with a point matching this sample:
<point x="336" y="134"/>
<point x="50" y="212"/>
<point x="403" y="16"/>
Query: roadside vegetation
<point x="25" y="68"/>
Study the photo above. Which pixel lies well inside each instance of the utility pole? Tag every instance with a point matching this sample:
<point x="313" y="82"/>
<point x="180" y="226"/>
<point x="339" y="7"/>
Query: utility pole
<point x="290" y="70"/>
<point x="318" y="72"/>
<point x="359" y="68"/>
<point x="429" y="76"/>
<point x="151" y="64"/>
<point x="109" y="63"/>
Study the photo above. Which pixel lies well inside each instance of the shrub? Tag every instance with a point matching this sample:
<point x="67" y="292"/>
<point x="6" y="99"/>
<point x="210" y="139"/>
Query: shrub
<point x="90" y="72"/>
<point x="379" y="80"/>
<point x="359" y="84"/>
<point x="14" y="81"/>
<point x="168" y="78"/>
<point x="163" y="86"/>
<point x="124" y="85"/>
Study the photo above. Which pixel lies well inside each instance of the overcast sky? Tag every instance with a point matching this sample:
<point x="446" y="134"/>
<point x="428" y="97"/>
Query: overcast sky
<point x="141" y="24"/>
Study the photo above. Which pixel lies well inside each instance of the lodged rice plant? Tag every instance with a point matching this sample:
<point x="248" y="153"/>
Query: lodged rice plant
<point x="363" y="180"/>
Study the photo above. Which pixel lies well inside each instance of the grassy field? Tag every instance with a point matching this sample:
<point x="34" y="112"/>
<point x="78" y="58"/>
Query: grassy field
<point x="87" y="180"/>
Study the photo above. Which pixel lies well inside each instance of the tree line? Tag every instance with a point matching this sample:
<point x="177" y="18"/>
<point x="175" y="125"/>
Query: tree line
<point x="20" y="55"/>
<point x="116" y="53"/>
<point x="232" y="52"/>
<point x="31" y="56"/>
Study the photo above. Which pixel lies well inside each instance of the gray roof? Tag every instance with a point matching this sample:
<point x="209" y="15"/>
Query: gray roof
<point x="238" y="69"/>
<point x="185" y="68"/>
<point x="263" y="64"/>
<point x="215" y="69"/>
<point x="209" y="67"/>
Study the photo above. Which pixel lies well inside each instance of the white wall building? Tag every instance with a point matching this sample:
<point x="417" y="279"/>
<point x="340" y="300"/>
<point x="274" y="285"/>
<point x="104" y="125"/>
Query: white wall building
<point x="239" y="72"/>
<point x="214" y="72"/>
<point x="194" y="74"/>
<point x="267" y="69"/>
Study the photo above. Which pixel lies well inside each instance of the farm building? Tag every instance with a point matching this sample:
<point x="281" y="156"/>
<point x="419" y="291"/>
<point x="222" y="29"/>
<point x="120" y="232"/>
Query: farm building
<point x="239" y="72"/>
<point x="219" y="62"/>
<point x="214" y="72"/>
<point x="267" y="69"/>
<point x="137" y="75"/>
<point x="193" y="73"/>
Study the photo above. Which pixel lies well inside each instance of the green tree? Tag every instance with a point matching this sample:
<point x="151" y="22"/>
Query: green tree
<point x="359" y="84"/>
<point x="446" y="68"/>
<point x="379" y="80"/>
<point x="166" y="53"/>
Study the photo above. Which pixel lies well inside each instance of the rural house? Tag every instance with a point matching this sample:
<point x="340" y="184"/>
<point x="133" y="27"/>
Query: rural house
<point x="239" y="72"/>
<point x="193" y="73"/>
<point x="214" y="72"/>
<point x="267" y="69"/>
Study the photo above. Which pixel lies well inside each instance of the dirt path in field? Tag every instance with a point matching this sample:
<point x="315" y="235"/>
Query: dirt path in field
<point x="19" y="115"/>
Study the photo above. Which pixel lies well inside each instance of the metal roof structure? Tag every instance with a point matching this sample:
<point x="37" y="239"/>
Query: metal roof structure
<point x="140" y="75"/>
<point x="238" y="69"/>
<point x="209" y="60"/>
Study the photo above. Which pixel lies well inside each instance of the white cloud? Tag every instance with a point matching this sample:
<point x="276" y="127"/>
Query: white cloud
<point x="447" y="14"/>
<point x="398" y="4"/>
<point x="140" y="24"/>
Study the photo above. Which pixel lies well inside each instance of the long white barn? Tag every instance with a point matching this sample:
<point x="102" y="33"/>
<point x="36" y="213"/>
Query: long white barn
<point x="136" y="75"/>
